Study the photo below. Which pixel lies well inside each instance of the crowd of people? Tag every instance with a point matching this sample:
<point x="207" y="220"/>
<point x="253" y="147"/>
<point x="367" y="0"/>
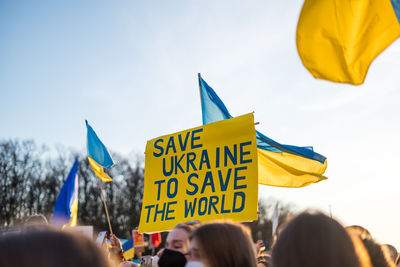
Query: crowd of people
<point x="311" y="239"/>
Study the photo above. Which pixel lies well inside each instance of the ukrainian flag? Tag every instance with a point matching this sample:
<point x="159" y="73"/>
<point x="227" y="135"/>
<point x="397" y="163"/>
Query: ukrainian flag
<point x="337" y="40"/>
<point x="129" y="249"/>
<point x="278" y="165"/>
<point x="98" y="154"/>
<point x="65" y="211"/>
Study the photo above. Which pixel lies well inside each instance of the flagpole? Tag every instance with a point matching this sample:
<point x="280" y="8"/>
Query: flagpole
<point x="201" y="100"/>
<point x="105" y="206"/>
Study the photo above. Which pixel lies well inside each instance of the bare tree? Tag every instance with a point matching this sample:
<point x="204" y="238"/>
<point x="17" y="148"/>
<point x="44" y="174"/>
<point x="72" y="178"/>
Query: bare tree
<point x="30" y="183"/>
<point x="20" y="165"/>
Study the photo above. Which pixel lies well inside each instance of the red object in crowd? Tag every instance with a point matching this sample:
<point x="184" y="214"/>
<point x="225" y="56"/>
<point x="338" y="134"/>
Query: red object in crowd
<point x="156" y="239"/>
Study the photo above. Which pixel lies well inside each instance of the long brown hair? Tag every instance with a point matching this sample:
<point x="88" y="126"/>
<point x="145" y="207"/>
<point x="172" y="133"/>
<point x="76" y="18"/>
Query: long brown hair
<point x="314" y="240"/>
<point x="226" y="244"/>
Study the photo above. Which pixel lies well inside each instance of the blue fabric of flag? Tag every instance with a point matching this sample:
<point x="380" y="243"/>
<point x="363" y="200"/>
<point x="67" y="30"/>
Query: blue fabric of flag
<point x="128" y="245"/>
<point x="213" y="110"/>
<point x="212" y="107"/>
<point x="128" y="248"/>
<point x="68" y="194"/>
<point x="396" y="7"/>
<point x="96" y="148"/>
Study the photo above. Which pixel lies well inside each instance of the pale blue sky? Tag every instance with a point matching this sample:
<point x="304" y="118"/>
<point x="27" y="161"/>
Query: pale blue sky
<point x="130" y="68"/>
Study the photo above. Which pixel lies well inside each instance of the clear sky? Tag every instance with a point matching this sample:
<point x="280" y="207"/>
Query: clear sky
<point x="130" y="68"/>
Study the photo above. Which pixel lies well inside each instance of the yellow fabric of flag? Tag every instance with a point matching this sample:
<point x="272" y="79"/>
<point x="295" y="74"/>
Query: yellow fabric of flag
<point x="99" y="171"/>
<point x="278" y="164"/>
<point x="288" y="170"/>
<point x="74" y="214"/>
<point x="129" y="254"/>
<point x="65" y="211"/>
<point x="338" y="39"/>
<point x="129" y="249"/>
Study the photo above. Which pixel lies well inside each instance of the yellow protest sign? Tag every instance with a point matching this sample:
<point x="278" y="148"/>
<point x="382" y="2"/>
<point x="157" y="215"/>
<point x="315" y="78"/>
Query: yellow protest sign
<point x="204" y="173"/>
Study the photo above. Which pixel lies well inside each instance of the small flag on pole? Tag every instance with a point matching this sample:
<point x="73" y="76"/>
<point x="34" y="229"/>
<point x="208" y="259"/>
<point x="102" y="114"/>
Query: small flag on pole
<point x="99" y="157"/>
<point x="129" y="250"/>
<point x="65" y="211"/>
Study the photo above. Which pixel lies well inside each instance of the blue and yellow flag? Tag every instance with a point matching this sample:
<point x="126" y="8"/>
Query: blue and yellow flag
<point x="128" y="246"/>
<point x="65" y="211"/>
<point x="337" y="40"/>
<point x="278" y="165"/>
<point x="129" y="249"/>
<point x="99" y="157"/>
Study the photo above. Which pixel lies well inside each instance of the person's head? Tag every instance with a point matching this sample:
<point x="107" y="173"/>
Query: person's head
<point x="391" y="251"/>
<point x="178" y="238"/>
<point x="264" y="260"/>
<point x="127" y="264"/>
<point x="176" y="246"/>
<point x="379" y="256"/>
<point x="36" y="219"/>
<point x="48" y="249"/>
<point x="358" y="230"/>
<point x="314" y="240"/>
<point x="35" y="222"/>
<point x="222" y="244"/>
<point x="139" y="252"/>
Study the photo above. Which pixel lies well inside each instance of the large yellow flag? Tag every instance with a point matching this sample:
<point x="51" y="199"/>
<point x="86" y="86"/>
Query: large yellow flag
<point x="338" y="39"/>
